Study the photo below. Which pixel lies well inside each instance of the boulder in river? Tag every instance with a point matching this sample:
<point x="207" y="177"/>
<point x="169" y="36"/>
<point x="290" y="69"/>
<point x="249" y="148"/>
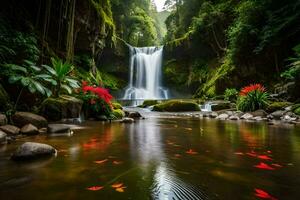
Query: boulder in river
<point x="247" y="116"/>
<point x="127" y="120"/>
<point x="21" y="119"/>
<point x="223" y="116"/>
<point x="31" y="150"/>
<point x="29" y="129"/>
<point x="260" y="113"/>
<point x="176" y="106"/>
<point x="277" y="114"/>
<point x="3" y="138"/>
<point x="3" y="119"/>
<point x="58" y="128"/>
<point x="10" y="130"/>
<point x="134" y="115"/>
<point x="220" y="105"/>
<point x="234" y="117"/>
<point x="63" y="107"/>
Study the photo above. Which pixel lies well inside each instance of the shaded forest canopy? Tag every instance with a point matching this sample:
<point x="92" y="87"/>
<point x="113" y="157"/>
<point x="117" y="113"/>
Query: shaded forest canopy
<point x="210" y="45"/>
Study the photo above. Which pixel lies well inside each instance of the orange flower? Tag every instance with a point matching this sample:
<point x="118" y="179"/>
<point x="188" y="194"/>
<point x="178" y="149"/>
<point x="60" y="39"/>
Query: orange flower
<point x="251" y="88"/>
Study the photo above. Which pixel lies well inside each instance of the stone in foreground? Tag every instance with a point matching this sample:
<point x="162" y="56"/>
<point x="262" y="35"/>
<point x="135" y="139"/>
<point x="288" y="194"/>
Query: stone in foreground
<point x="134" y="115"/>
<point x="21" y="119"/>
<point x="10" y="129"/>
<point x="3" y="138"/>
<point x="58" y="128"/>
<point x="3" y="119"/>
<point x="29" y="129"/>
<point x="127" y="120"/>
<point x="32" y="150"/>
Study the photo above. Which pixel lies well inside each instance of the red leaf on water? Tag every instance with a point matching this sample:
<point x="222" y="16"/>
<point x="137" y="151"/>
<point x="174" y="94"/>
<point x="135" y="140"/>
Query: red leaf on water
<point x="264" y="157"/>
<point x="263" y="194"/>
<point x="264" y="166"/>
<point x="100" y="161"/>
<point x="117" y="185"/>
<point x="239" y="153"/>
<point x="191" y="151"/>
<point x="95" y="188"/>
<point x="115" y="162"/>
<point x="276" y="165"/>
<point x="252" y="154"/>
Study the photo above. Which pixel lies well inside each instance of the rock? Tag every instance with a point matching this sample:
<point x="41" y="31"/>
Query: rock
<point x="31" y="150"/>
<point x="277" y="114"/>
<point x="223" y="116"/>
<point x="127" y="120"/>
<point x="213" y="115"/>
<point x="63" y="107"/>
<point x="43" y="130"/>
<point x="29" y="129"/>
<point x="134" y="115"/>
<point x="278" y="106"/>
<point x="3" y="137"/>
<point x="220" y="105"/>
<point x="10" y="129"/>
<point x="260" y="113"/>
<point x="58" y="128"/>
<point x="21" y="119"/>
<point x="126" y="113"/>
<point x="118" y="113"/>
<point x="3" y="119"/>
<point x="258" y="118"/>
<point x="247" y="116"/>
<point x="176" y="106"/>
<point x="234" y="117"/>
<point x="288" y="118"/>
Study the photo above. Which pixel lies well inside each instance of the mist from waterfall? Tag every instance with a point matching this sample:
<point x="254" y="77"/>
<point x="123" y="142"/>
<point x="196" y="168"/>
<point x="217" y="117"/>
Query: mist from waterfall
<point x="145" y="74"/>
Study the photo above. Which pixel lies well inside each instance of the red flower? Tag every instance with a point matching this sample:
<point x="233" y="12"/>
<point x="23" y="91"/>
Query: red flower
<point x="102" y="93"/>
<point x="251" y="88"/>
<point x="84" y="83"/>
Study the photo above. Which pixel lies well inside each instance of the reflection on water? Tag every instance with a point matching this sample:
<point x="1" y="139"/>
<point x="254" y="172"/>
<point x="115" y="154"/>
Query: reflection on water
<point x="158" y="158"/>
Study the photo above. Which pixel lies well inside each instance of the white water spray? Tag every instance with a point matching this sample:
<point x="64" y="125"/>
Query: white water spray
<point x="145" y="74"/>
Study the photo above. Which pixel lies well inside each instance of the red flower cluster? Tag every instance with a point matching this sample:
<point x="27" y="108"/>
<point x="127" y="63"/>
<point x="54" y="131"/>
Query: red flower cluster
<point x="102" y="93"/>
<point x="252" y="87"/>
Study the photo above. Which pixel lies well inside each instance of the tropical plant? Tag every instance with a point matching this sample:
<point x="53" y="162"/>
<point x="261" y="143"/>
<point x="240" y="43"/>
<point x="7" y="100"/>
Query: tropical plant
<point x="252" y="97"/>
<point x="230" y="94"/>
<point x="60" y="72"/>
<point x="28" y="76"/>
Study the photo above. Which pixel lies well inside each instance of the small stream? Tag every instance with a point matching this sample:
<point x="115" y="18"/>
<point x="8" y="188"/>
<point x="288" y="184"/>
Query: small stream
<point x="161" y="157"/>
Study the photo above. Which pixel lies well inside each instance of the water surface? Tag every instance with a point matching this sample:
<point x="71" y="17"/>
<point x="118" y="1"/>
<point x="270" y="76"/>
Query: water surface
<point x="160" y="158"/>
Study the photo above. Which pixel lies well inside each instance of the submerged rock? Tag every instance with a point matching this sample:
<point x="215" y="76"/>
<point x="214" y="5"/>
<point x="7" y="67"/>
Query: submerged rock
<point x="58" y="128"/>
<point x="3" y="119"/>
<point x="31" y="150"/>
<point x="10" y="130"/>
<point x="3" y="138"/>
<point x="234" y="117"/>
<point x="21" y="119"/>
<point x="29" y="129"/>
<point x="127" y="120"/>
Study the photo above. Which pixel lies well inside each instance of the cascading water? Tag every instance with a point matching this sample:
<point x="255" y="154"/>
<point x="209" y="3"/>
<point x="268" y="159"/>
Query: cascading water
<point x="145" y="74"/>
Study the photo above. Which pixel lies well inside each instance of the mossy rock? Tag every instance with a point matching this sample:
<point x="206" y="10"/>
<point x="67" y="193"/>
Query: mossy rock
<point x="148" y="103"/>
<point x="220" y="105"/>
<point x="274" y="106"/>
<point x="60" y="108"/>
<point x="117" y="106"/>
<point x="118" y="113"/>
<point x="176" y="106"/>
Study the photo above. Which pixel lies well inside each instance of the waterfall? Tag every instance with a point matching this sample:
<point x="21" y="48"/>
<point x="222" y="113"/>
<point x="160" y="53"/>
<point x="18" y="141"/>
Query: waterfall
<point x="145" y="74"/>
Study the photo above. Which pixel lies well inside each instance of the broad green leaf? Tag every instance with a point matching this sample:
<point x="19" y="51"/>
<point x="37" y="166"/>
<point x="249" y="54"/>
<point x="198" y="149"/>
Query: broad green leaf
<point x="67" y="88"/>
<point x="25" y="81"/>
<point x="50" y="69"/>
<point x="31" y="88"/>
<point x="13" y="79"/>
<point x="39" y="87"/>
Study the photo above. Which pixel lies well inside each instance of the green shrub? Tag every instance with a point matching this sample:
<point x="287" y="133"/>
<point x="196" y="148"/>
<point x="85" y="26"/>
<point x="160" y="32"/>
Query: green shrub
<point x="272" y="107"/>
<point x="116" y="106"/>
<point x="297" y="111"/>
<point x="176" y="106"/>
<point x="148" y="103"/>
<point x="252" y="97"/>
<point x="118" y="113"/>
<point x="230" y="94"/>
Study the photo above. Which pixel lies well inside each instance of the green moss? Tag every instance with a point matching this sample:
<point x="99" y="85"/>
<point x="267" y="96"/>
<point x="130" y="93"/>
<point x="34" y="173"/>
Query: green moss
<point x="148" y="103"/>
<point x="118" y="113"/>
<point x="272" y="107"/>
<point x="117" y="106"/>
<point x="176" y="106"/>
